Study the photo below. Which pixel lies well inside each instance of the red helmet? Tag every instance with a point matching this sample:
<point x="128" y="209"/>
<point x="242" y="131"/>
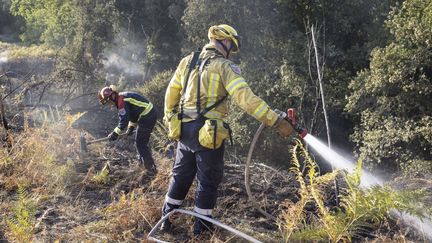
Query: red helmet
<point x="106" y="93"/>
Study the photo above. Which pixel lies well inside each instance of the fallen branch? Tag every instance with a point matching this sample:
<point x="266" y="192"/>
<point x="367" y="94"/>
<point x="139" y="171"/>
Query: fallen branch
<point x="39" y="220"/>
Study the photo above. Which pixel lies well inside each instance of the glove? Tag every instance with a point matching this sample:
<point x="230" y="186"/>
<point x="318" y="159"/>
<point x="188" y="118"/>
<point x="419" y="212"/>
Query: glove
<point x="284" y="128"/>
<point x="113" y="136"/>
<point x="130" y="130"/>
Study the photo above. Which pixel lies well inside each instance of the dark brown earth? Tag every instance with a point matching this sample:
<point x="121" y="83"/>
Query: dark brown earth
<point x="124" y="205"/>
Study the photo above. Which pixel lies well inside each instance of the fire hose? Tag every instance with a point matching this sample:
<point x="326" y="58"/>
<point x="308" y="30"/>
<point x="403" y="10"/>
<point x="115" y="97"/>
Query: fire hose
<point x="302" y="132"/>
<point x="211" y="220"/>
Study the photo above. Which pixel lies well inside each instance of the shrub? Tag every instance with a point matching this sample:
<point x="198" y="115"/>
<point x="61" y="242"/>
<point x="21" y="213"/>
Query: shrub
<point x="155" y="88"/>
<point x="35" y="157"/>
<point x="392" y="98"/>
<point x="21" y="224"/>
<point x="360" y="209"/>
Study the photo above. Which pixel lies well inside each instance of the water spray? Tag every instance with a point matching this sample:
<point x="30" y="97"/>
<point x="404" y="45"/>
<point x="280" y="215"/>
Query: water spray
<point x="367" y="180"/>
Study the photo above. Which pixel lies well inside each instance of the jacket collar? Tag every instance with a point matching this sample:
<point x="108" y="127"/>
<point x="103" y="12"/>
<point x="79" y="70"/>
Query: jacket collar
<point x="210" y="50"/>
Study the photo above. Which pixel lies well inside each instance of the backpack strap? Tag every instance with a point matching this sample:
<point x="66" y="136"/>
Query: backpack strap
<point x="213" y="106"/>
<point x="200" y="71"/>
<point x="203" y="112"/>
<point x="192" y="65"/>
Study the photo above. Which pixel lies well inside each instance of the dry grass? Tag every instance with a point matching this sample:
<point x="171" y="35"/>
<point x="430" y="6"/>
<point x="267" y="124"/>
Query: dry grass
<point x="126" y="202"/>
<point x="123" y="220"/>
<point x="17" y="52"/>
<point x="42" y="157"/>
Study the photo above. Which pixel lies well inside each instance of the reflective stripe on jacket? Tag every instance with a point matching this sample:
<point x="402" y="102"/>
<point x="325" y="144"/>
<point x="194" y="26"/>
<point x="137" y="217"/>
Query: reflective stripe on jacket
<point x="131" y="106"/>
<point x="219" y="78"/>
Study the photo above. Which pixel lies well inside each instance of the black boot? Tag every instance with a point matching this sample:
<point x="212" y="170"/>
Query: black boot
<point x="201" y="226"/>
<point x="149" y="165"/>
<point x="167" y="225"/>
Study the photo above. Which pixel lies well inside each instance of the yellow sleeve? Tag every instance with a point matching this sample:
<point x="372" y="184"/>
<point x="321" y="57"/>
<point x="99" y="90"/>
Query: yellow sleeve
<point x="242" y="94"/>
<point x="173" y="92"/>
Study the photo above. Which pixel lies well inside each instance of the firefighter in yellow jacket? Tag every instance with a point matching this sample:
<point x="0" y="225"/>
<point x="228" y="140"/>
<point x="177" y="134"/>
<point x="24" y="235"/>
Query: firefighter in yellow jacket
<point x="195" y="109"/>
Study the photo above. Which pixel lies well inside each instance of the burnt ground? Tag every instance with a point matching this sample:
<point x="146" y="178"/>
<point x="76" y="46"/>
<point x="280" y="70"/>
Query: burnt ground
<point x="82" y="204"/>
<point x="124" y="204"/>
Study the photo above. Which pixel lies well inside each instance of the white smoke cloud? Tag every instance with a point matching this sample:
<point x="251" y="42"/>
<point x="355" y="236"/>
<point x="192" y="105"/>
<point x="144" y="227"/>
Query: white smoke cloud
<point x="123" y="60"/>
<point x="3" y="57"/>
<point x="123" y="63"/>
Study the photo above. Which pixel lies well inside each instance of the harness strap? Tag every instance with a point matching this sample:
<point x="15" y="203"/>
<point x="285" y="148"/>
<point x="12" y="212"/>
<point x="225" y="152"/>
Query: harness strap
<point x="191" y="67"/>
<point x="195" y="60"/>
<point x="214" y="134"/>
<point x="200" y="71"/>
<point x="213" y="106"/>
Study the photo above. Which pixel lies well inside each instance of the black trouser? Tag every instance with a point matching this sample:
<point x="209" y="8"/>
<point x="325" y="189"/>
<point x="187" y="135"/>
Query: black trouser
<point x="145" y="127"/>
<point x="194" y="160"/>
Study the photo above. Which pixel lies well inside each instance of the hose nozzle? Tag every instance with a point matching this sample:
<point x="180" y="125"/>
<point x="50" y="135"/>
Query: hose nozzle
<point x="302" y="132"/>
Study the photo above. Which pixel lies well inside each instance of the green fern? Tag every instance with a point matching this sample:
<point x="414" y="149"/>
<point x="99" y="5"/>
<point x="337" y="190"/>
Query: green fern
<point x="376" y="202"/>
<point x="103" y="177"/>
<point x="293" y="221"/>
<point x="360" y="209"/>
<point x="22" y="222"/>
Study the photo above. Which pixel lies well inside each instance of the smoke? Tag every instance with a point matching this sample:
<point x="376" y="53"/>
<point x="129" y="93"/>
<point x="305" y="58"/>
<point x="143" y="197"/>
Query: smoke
<point x="120" y="62"/>
<point x="3" y="57"/>
<point x="123" y="60"/>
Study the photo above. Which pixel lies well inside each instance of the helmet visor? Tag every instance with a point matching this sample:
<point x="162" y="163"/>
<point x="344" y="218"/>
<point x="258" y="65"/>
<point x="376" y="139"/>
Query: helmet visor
<point x="237" y="43"/>
<point x="102" y="100"/>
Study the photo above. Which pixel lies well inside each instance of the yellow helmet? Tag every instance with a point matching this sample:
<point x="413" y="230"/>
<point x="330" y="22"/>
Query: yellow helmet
<point x="224" y="31"/>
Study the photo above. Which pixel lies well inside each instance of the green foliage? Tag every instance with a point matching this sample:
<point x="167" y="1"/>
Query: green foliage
<point x="292" y="222"/>
<point x="392" y="98"/>
<point x="9" y="29"/>
<point x="374" y="204"/>
<point x="361" y="209"/>
<point x="157" y="24"/>
<point x="277" y="61"/>
<point x="154" y="90"/>
<point x="46" y="21"/>
<point x="21" y="224"/>
<point x="81" y="29"/>
<point x="102" y="177"/>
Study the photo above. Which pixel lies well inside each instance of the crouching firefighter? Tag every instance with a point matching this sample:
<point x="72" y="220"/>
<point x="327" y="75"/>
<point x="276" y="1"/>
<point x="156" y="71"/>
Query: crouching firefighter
<point x="195" y="109"/>
<point x="134" y="111"/>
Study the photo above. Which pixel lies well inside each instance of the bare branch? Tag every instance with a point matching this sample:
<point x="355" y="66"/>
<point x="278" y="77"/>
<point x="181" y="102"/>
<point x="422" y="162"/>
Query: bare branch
<point x="321" y="87"/>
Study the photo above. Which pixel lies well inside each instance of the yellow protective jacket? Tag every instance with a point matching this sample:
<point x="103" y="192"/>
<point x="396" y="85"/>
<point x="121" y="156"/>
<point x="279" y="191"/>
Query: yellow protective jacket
<point x="219" y="78"/>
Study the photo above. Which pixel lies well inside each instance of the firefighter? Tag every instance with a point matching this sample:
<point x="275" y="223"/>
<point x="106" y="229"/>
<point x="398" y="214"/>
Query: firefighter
<point x="195" y="109"/>
<point x="134" y="111"/>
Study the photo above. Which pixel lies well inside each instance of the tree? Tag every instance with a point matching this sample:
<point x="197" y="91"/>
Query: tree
<point x="10" y="26"/>
<point x="80" y="30"/>
<point x="277" y="60"/>
<point x="392" y="99"/>
<point x="347" y="32"/>
<point x="156" y="24"/>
